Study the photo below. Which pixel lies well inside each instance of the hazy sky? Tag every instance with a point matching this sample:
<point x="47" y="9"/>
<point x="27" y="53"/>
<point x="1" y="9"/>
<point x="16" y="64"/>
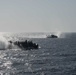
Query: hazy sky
<point x="37" y="15"/>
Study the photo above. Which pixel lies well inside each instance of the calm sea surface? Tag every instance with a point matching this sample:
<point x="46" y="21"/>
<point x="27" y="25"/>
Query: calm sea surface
<point x="55" y="57"/>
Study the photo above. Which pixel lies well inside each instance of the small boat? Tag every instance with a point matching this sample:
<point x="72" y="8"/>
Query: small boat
<point x="52" y="36"/>
<point x="28" y="45"/>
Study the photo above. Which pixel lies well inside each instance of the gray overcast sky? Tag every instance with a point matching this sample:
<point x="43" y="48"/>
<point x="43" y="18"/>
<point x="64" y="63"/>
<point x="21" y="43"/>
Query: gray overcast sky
<point x="37" y="15"/>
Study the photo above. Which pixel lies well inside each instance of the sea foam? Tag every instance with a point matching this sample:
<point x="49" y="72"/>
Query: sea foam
<point x="3" y="42"/>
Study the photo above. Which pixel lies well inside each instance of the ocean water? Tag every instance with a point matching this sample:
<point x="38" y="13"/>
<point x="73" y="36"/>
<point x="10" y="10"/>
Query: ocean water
<point x="57" y="56"/>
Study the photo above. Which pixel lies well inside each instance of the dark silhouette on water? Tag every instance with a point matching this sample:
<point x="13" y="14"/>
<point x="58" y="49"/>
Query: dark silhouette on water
<point x="52" y="36"/>
<point x="25" y="44"/>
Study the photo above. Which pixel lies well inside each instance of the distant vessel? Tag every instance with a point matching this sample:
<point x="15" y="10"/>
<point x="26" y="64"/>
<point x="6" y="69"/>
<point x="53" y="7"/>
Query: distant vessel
<point x="52" y="36"/>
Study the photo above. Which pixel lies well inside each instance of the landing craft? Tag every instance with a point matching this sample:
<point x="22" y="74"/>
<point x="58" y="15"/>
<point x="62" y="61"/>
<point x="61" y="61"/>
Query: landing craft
<point x="52" y="36"/>
<point x="28" y="45"/>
